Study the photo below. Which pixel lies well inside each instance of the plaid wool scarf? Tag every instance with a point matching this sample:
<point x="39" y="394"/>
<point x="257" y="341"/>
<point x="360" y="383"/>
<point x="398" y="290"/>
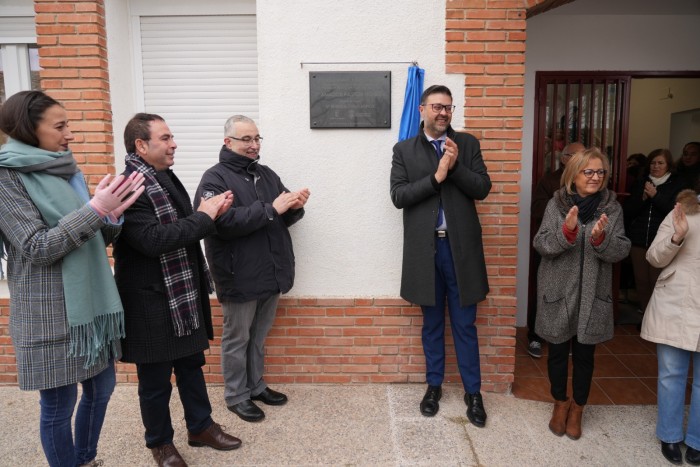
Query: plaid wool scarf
<point x="179" y="279"/>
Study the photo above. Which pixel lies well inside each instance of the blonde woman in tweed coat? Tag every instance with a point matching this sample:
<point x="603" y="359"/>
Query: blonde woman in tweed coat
<point x="580" y="238"/>
<point x="65" y="314"/>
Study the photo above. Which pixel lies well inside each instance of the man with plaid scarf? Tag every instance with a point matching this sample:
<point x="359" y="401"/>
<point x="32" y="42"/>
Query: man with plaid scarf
<point x="164" y="285"/>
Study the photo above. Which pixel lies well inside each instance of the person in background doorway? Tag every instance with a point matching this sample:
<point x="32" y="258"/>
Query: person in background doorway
<point x="436" y="177"/>
<point x="63" y="332"/>
<point x="651" y="199"/>
<point x="689" y="163"/>
<point x="164" y="284"/>
<point x="672" y="321"/>
<point x="636" y="167"/>
<point x="544" y="191"/>
<point x="581" y="236"/>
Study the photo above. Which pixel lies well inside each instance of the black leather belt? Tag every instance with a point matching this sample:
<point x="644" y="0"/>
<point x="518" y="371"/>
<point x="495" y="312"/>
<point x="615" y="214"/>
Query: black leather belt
<point x="441" y="233"/>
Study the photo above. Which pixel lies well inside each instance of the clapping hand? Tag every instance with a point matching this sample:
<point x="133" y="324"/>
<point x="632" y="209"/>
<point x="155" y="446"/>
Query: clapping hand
<point x="290" y="200"/>
<point x="451" y="152"/>
<point x="649" y="190"/>
<point x="302" y="198"/>
<point x="680" y="224"/>
<point x="599" y="227"/>
<point x="113" y="196"/>
<point x="216" y="205"/>
<point x="571" y="218"/>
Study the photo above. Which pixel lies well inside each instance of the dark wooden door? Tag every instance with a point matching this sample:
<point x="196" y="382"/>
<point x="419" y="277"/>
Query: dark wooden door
<point x="591" y="108"/>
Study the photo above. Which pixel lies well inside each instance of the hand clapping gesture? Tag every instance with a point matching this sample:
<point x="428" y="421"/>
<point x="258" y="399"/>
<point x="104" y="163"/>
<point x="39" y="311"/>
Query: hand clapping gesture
<point x="447" y="161"/>
<point x="571" y="218"/>
<point x="649" y="190"/>
<point x="216" y="205"/>
<point x="113" y="196"/>
<point x="291" y="200"/>
<point x="680" y="224"/>
<point x="599" y="227"/>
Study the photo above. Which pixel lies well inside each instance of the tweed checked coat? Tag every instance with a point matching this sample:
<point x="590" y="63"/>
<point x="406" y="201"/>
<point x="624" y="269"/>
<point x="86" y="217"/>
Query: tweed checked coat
<point x="38" y="320"/>
<point x="413" y="189"/>
<point x="574" y="281"/>
<point x="150" y="336"/>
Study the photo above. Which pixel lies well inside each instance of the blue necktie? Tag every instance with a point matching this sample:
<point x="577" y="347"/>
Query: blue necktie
<point x="438" y="150"/>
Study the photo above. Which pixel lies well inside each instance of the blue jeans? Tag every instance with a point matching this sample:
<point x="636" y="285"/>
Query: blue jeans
<point x="673" y="377"/>
<point x="462" y="320"/>
<point x="57" y="405"/>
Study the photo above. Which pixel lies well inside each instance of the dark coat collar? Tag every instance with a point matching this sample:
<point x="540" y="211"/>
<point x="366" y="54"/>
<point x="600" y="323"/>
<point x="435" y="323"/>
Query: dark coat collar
<point x="237" y="161"/>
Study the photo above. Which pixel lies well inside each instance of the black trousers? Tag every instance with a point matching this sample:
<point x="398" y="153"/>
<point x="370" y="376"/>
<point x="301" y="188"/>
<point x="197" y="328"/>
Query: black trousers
<point x="155" y="389"/>
<point x="582" y="356"/>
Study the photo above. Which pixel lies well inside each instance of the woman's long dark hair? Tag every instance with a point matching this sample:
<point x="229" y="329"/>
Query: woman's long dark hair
<point x="20" y="115"/>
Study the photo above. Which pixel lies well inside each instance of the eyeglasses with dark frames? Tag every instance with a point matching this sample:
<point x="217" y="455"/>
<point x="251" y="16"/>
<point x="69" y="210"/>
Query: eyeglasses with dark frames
<point x="589" y="173"/>
<point x="248" y="139"/>
<point x="437" y="108"/>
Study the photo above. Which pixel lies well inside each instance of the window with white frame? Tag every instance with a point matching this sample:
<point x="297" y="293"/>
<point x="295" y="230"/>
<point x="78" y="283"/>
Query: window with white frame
<point x="19" y="57"/>
<point x="19" y="68"/>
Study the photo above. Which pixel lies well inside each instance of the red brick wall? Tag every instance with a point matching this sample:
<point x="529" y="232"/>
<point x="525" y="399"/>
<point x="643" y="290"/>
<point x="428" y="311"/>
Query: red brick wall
<point x="73" y="56"/>
<point x="335" y="341"/>
<point x="340" y="340"/>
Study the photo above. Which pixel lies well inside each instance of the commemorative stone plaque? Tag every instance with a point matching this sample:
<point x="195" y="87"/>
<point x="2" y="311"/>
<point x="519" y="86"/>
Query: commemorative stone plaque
<point x="350" y="99"/>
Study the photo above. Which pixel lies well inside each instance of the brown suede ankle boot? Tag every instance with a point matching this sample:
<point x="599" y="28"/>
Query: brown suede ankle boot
<point x="558" y="422"/>
<point x="573" y="423"/>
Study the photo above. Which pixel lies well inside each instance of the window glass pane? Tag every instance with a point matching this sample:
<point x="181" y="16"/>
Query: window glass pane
<point x="34" y="67"/>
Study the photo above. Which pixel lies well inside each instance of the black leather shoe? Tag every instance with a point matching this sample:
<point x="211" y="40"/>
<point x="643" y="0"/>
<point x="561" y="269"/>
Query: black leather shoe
<point x="270" y="397"/>
<point x="692" y="456"/>
<point x="672" y="452"/>
<point x="429" y="405"/>
<point x="475" y="409"/>
<point x="248" y="411"/>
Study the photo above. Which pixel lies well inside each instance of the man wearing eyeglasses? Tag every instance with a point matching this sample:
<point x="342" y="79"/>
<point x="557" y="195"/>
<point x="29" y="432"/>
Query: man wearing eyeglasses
<point x="251" y="260"/>
<point x="435" y="178"/>
<point x="550" y="182"/>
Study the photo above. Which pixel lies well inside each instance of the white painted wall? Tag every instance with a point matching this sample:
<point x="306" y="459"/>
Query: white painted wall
<point x="349" y="243"/>
<point x="590" y="35"/>
<point x="651" y="112"/>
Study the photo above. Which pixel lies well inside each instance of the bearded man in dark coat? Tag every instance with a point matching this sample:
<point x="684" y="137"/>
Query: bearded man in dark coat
<point x="435" y="178"/>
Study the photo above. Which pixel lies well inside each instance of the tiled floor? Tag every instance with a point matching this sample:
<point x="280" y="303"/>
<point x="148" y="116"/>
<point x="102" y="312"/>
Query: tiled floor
<point x="625" y="370"/>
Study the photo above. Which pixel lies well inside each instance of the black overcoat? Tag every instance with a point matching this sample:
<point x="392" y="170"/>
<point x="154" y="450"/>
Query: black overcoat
<point x="413" y="189"/>
<point x="150" y="336"/>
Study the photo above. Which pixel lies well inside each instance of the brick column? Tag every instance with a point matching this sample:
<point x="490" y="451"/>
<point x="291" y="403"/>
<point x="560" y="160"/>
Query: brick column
<point x="485" y="40"/>
<point x="73" y="55"/>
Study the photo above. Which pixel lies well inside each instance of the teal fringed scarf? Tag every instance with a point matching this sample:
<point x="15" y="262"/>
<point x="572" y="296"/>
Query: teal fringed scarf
<point x="57" y="188"/>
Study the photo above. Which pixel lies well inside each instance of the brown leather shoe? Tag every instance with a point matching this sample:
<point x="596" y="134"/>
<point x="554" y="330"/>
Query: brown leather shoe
<point x="573" y="423"/>
<point x="214" y="437"/>
<point x="559" y="415"/>
<point x="167" y="456"/>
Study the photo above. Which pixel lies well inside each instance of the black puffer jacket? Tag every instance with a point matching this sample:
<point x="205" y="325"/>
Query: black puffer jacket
<point x="251" y="255"/>
<point x="643" y="217"/>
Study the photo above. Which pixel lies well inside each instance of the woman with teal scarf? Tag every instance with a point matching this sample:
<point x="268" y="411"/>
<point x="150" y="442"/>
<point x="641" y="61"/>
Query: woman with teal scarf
<point x="66" y="317"/>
